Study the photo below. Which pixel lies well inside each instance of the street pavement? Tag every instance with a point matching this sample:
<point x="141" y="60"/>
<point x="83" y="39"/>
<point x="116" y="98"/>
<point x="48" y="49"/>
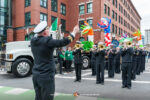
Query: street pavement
<point x="12" y="88"/>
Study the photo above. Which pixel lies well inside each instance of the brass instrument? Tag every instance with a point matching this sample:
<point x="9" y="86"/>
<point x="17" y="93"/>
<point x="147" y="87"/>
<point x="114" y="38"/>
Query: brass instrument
<point x="78" y="46"/>
<point x="101" y="47"/>
<point x="129" y="43"/>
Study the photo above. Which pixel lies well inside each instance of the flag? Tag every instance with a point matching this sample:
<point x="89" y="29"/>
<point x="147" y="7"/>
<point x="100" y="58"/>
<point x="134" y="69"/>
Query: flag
<point x="54" y="25"/>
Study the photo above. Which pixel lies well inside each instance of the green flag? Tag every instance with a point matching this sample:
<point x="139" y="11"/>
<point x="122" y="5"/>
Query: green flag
<point x="54" y="25"/>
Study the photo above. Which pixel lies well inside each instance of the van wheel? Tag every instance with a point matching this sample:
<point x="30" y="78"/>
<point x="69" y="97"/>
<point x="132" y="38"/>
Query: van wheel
<point x="22" y="67"/>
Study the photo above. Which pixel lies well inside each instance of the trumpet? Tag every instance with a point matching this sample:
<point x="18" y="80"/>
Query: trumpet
<point x="129" y="43"/>
<point x="78" y="46"/>
<point x="101" y="47"/>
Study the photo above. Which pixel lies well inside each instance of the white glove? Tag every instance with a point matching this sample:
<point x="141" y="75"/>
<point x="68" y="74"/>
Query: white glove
<point x="75" y="30"/>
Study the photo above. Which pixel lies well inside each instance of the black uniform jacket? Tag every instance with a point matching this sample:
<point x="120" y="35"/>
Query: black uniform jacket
<point x="93" y="57"/>
<point x="77" y="56"/>
<point x="127" y="55"/>
<point x="100" y="56"/>
<point x="42" y="49"/>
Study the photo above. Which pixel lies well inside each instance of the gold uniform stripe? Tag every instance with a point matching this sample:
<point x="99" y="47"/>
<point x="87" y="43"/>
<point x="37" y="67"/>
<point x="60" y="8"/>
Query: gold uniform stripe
<point x="70" y="38"/>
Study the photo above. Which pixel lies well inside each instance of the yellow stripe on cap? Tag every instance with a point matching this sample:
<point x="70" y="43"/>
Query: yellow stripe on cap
<point x="70" y="38"/>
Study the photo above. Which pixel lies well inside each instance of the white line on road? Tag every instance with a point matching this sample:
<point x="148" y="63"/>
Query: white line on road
<point x="16" y="91"/>
<point x="109" y="80"/>
<point x="87" y="74"/>
<point x="1" y="86"/>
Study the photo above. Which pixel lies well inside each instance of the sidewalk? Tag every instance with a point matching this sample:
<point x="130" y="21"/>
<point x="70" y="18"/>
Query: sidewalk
<point x="8" y="93"/>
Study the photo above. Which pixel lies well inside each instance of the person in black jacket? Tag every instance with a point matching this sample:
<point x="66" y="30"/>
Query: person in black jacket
<point x="117" y="60"/>
<point x="78" y="62"/>
<point x="93" y="60"/>
<point x="144" y="53"/>
<point x="60" y="60"/>
<point x="139" y="55"/>
<point x="43" y="70"/>
<point x="126" y="53"/>
<point x="134" y="63"/>
<point x="100" y="58"/>
<point x="111" y="65"/>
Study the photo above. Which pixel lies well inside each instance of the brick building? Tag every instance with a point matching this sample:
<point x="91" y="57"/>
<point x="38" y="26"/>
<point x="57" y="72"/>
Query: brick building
<point x="24" y="15"/>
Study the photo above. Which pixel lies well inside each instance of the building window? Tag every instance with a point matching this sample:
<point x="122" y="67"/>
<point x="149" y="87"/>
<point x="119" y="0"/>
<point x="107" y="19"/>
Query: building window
<point x="105" y="8"/>
<point x="89" y="7"/>
<point x="116" y="3"/>
<point x="113" y="14"/>
<point x="119" y="19"/>
<point x="108" y="11"/>
<point x="53" y="19"/>
<point x="43" y="3"/>
<point x="81" y="9"/>
<point x="113" y="2"/>
<point x="63" y="22"/>
<point x="112" y="28"/>
<point x="116" y="16"/>
<point x="119" y="31"/>
<point x="63" y="9"/>
<point x="27" y="19"/>
<point x="119" y="7"/>
<point x="90" y="22"/>
<point x="43" y="17"/>
<point x="27" y="3"/>
<point x="115" y="29"/>
<point x="54" y="5"/>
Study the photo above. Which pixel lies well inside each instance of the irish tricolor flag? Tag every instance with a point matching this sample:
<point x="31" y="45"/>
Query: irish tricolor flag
<point x="54" y="25"/>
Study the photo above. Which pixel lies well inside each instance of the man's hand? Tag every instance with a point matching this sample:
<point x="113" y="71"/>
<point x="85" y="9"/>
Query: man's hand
<point x="75" y="30"/>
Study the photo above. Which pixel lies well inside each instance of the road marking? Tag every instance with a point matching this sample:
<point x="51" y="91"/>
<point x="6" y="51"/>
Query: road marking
<point x="87" y="74"/>
<point x="109" y="80"/>
<point x="16" y="91"/>
<point x="147" y="72"/>
<point x="1" y="86"/>
<point x="85" y="98"/>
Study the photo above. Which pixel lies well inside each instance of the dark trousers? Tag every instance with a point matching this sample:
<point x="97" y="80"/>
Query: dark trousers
<point x="44" y="87"/>
<point x="100" y="73"/>
<point x="60" y="66"/>
<point x="117" y="66"/>
<point x="106" y="64"/>
<point x="138" y="67"/>
<point x="111" y="68"/>
<point x="126" y="74"/>
<point x="93" y="67"/>
<point x="68" y="65"/>
<point x="134" y="67"/>
<point x="78" y="68"/>
<point x="143" y="64"/>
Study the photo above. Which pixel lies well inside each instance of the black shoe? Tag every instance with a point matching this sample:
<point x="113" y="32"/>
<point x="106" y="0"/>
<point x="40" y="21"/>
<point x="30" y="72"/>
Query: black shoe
<point x="98" y="82"/>
<point x="75" y="80"/>
<point x="123" y="86"/>
<point x="129" y="87"/>
<point x="79" y="80"/>
<point x="102" y="83"/>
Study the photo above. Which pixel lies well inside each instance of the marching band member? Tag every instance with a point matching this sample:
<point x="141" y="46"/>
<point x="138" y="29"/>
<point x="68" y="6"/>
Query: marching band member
<point x="78" y="61"/>
<point x="100" y="58"/>
<point x="126" y="54"/>
<point x="117" y="60"/>
<point x="134" y="62"/>
<point x="93" y="60"/>
<point x="139" y="53"/>
<point x="111" y="67"/>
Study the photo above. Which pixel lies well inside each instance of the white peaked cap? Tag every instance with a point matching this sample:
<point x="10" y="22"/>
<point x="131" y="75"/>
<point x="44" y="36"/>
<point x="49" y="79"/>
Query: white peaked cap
<point x="100" y="43"/>
<point x="40" y="27"/>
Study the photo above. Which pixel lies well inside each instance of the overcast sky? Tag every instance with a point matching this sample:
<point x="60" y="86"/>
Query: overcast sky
<point x="143" y="7"/>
